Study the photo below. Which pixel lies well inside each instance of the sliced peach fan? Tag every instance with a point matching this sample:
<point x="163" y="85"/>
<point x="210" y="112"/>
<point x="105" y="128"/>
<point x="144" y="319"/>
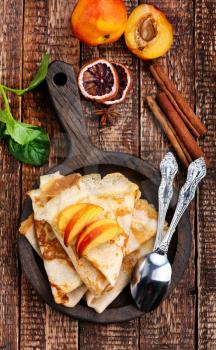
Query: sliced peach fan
<point x="97" y="233"/>
<point x="65" y="215"/>
<point x="98" y="80"/>
<point x="73" y="219"/>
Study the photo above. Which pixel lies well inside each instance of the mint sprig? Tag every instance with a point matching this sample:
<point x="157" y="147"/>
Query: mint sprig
<point x="37" y="80"/>
<point x="27" y="143"/>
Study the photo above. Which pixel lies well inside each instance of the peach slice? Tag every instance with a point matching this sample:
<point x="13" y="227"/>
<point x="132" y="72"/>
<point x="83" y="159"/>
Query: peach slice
<point x="80" y="220"/>
<point x="97" y="233"/>
<point x="66" y="215"/>
<point x="148" y="33"/>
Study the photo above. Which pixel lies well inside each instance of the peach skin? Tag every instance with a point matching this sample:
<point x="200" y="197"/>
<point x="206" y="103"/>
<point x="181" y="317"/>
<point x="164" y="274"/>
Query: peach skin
<point x="96" y="234"/>
<point x="97" y="22"/>
<point x="83" y="218"/>
<point x="67" y="214"/>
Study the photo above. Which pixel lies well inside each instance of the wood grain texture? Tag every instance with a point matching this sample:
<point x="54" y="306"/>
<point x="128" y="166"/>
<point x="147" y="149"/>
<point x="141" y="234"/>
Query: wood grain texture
<point x="205" y="28"/>
<point x="122" y="136"/>
<point x="84" y="157"/>
<point x="109" y="337"/>
<point x="33" y="314"/>
<point x="46" y="29"/>
<point x="63" y="335"/>
<point x="168" y="327"/>
<point x="10" y="74"/>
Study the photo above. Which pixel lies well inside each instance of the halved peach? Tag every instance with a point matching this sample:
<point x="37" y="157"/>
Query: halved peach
<point x="97" y="233"/>
<point x="80" y="220"/>
<point x="66" y="215"/>
<point x="148" y="33"/>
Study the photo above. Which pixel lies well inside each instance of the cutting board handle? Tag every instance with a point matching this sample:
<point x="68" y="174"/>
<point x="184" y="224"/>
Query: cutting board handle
<point x="64" y="93"/>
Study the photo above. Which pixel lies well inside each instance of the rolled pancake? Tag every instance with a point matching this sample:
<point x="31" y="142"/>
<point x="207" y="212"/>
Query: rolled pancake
<point x="50" y="186"/>
<point x="66" y="286"/>
<point x="143" y="225"/>
<point x="27" y="229"/>
<point x="141" y="241"/>
<point x="99" y="304"/>
<point x="117" y="196"/>
<point x="58" y="266"/>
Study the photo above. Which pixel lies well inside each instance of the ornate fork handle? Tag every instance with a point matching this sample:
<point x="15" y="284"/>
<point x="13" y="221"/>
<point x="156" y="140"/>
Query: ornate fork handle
<point x="196" y="172"/>
<point x="168" y="168"/>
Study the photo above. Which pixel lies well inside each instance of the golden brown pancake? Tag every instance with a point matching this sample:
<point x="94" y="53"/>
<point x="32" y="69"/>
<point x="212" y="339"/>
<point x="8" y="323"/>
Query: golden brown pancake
<point x="106" y="270"/>
<point x="117" y="196"/>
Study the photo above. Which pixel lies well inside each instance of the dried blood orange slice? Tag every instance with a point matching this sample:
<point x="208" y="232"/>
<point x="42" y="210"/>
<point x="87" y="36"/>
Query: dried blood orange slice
<point x="125" y="83"/>
<point x="98" y="80"/>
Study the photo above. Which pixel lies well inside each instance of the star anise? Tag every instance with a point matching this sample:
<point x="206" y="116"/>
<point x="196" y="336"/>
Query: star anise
<point x="107" y="116"/>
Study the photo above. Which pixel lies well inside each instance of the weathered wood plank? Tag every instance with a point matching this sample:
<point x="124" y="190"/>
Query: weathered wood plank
<point x="205" y="82"/>
<point x="109" y="337"/>
<point x="10" y="74"/>
<point x="168" y="326"/>
<point x="46" y="29"/>
<point x="122" y="136"/>
<point x="62" y="332"/>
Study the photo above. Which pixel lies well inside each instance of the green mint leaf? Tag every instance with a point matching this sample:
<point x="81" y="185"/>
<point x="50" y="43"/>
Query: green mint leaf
<point x="35" y="152"/>
<point x="22" y="133"/>
<point x="5" y="113"/>
<point x="37" y="80"/>
<point x="41" y="73"/>
<point x="27" y="143"/>
<point x="3" y="116"/>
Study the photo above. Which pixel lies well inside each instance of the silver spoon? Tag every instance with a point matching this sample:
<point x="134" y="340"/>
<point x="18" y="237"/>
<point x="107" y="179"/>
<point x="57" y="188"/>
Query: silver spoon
<point x="168" y="169"/>
<point x="152" y="273"/>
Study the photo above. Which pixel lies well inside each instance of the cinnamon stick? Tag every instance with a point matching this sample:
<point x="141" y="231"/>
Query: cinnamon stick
<point x="184" y="149"/>
<point x="190" y="118"/>
<point x="185" y="136"/>
<point x="163" y="88"/>
<point x="166" y="126"/>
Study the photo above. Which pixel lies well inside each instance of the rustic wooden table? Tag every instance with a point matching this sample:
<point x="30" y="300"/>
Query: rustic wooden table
<point x="187" y="320"/>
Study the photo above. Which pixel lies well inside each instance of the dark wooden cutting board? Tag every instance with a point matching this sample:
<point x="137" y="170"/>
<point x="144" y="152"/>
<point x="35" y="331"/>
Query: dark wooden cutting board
<point x="86" y="158"/>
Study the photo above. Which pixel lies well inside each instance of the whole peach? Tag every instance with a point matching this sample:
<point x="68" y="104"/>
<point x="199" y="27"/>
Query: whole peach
<point x="97" y="22"/>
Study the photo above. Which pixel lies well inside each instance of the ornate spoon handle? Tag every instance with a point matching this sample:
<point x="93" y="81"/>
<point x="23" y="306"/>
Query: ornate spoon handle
<point x="168" y="168"/>
<point x="196" y="172"/>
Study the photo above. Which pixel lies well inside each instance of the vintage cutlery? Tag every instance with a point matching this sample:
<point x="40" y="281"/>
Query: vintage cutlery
<point x="152" y="273"/>
<point x="168" y="169"/>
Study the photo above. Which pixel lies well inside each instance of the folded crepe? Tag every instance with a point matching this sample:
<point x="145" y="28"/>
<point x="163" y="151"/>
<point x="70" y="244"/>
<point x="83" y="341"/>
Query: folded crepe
<point x="143" y="225"/>
<point x="66" y="285"/>
<point x="100" y="268"/>
<point x="141" y="242"/>
<point x="27" y="229"/>
<point x="66" y="272"/>
<point x="99" y="304"/>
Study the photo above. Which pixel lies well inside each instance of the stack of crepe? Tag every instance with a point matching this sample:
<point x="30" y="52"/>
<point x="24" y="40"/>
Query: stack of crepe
<point x="103" y="272"/>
